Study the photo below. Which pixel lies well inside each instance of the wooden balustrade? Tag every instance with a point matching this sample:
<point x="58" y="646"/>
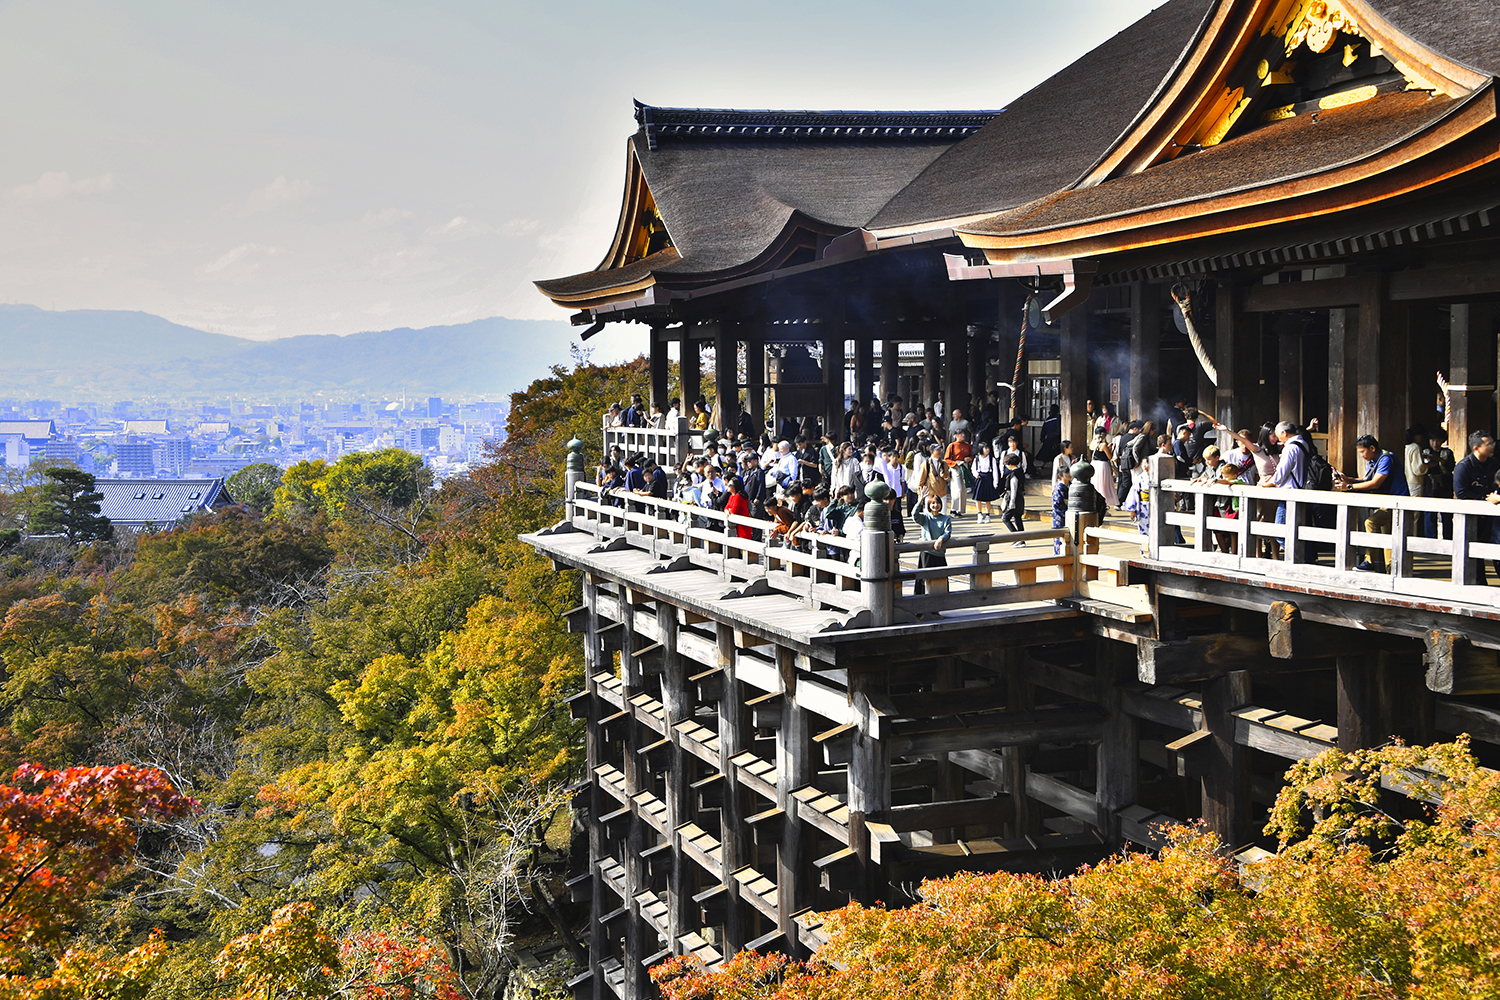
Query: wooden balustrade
<point x="667" y="446"/>
<point x="1304" y="550"/>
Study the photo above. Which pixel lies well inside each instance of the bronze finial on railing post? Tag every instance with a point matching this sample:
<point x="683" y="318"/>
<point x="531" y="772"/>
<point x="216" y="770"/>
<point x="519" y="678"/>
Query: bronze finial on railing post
<point x="877" y="555"/>
<point x="1083" y="512"/>
<point x="573" y="475"/>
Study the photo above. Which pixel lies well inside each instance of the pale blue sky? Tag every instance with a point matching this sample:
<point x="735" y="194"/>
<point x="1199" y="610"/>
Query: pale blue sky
<point x="274" y="168"/>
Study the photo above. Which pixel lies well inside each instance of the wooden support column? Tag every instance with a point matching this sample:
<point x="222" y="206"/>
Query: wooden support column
<point x="869" y="776"/>
<point x="1472" y="349"/>
<point x="1289" y="373"/>
<point x="593" y="659"/>
<point x="756" y="371"/>
<point x="659" y="366"/>
<point x="734" y="737"/>
<point x="932" y="363"/>
<point x="1144" y="391"/>
<point x="726" y="381"/>
<point x="678" y="702"/>
<point x="1358" y="703"/>
<point x="794" y="769"/>
<point x="1119" y="753"/>
<point x="890" y="369"/>
<point x="864" y="367"/>
<point x="1424" y="335"/>
<point x="691" y="371"/>
<point x="1075" y="377"/>
<point x="1237" y="336"/>
<point x="1226" y="787"/>
<point x="639" y="937"/>
<point x="1020" y="696"/>
<point x="1382" y="366"/>
<point x="979" y="356"/>
<point x="833" y="386"/>
<point x="1343" y="387"/>
<point x="956" y="374"/>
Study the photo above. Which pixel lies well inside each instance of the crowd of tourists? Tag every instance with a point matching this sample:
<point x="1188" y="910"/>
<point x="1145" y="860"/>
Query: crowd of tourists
<point x="937" y="462"/>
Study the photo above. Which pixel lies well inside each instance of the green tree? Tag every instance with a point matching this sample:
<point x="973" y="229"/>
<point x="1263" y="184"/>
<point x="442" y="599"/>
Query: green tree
<point x="69" y="506"/>
<point x="255" y="486"/>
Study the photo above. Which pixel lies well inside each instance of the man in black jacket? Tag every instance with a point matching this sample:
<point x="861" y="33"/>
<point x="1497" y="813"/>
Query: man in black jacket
<point x="1474" y="479"/>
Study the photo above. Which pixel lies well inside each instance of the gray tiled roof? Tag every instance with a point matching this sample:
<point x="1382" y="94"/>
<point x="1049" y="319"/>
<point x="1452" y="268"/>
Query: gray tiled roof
<point x="134" y="503"/>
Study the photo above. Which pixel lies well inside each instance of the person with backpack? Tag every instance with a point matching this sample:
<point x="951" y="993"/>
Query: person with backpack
<point x="1385" y="476"/>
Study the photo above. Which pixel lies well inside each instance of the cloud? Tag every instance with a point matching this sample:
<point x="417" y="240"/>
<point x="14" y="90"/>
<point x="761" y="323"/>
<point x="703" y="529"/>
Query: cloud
<point x="52" y="186"/>
<point x="386" y="217"/>
<point x="237" y="254"/>
<point x="275" y="194"/>
<point x="457" y="228"/>
<point x="521" y="227"/>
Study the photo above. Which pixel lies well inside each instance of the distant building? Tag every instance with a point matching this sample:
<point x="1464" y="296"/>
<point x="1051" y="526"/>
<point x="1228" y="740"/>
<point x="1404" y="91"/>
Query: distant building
<point x="151" y="428"/>
<point x="419" y="439"/>
<point x="135" y="459"/>
<point x="36" y="432"/>
<point x="434" y="406"/>
<point x="63" y="448"/>
<point x="133" y="504"/>
<point x="450" y="440"/>
<point x="15" y="450"/>
<point x="176" y="454"/>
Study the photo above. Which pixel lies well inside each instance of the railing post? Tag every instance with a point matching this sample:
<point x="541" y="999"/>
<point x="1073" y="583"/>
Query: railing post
<point x="680" y="445"/>
<point x="1156" y="534"/>
<point x="877" y="557"/>
<point x="572" y="476"/>
<point x="1465" y="573"/>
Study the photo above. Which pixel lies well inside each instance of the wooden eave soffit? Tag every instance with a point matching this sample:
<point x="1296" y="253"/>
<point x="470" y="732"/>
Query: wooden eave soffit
<point x="641" y="230"/>
<point x="1252" y="46"/>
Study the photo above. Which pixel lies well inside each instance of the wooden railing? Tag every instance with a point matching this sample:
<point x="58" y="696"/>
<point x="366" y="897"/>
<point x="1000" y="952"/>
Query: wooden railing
<point x="849" y="574"/>
<point x="1324" y="538"/>
<point x="667" y="446"/>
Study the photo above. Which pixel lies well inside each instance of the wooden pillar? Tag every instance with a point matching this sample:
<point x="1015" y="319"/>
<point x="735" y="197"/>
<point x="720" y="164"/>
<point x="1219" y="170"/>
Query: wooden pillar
<point x="756" y="371"/>
<point x="890" y="369"/>
<point x="833" y="386"/>
<point x="1118" y="760"/>
<point x="1382" y="366"/>
<point x="1144" y="393"/>
<point x="678" y="703"/>
<point x="1237" y="337"/>
<point x="1074" y="381"/>
<point x="864" y="367"/>
<point x="1472" y="349"/>
<point x="1343" y="387"/>
<point x="956" y="374"/>
<point x="726" y="381"/>
<point x="593" y="658"/>
<point x="1226" y="787"/>
<point x="691" y="371"/>
<point x="1358" y="703"/>
<point x="639" y="937"/>
<point x="734" y="737"/>
<point x="1288" y="374"/>
<point x="932" y="362"/>
<point x="1424" y="336"/>
<point x="659" y="366"/>
<point x="794" y="769"/>
<point x="869" y="777"/>
<point x="979" y="356"/>
<point x="1020" y="696"/>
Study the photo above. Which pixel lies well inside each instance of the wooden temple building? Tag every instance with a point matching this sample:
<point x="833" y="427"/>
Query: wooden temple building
<point x="773" y="732"/>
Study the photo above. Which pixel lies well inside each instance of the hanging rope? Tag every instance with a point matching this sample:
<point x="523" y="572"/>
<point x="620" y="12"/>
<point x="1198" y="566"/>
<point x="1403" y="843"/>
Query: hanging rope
<point x="1015" y="381"/>
<point x="1444" y="385"/>
<point x="1185" y="303"/>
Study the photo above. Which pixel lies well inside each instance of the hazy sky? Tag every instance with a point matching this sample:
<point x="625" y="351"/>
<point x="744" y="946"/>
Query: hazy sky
<point x="274" y="168"/>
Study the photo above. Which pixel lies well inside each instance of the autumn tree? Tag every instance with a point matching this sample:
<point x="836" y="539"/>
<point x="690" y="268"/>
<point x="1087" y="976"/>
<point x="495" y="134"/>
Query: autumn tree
<point x="1371" y="895"/>
<point x="61" y="832"/>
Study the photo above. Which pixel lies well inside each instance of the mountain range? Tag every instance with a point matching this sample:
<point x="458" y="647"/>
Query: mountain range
<point x="113" y="354"/>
